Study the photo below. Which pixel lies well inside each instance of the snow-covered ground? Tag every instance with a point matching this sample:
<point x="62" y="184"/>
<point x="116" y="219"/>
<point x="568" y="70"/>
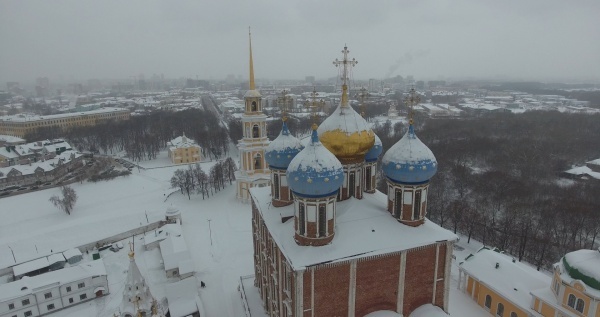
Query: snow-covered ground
<point x="217" y="231"/>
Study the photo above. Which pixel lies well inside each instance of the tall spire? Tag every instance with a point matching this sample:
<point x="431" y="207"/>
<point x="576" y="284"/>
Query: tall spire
<point x="252" y="86"/>
<point x="345" y="70"/>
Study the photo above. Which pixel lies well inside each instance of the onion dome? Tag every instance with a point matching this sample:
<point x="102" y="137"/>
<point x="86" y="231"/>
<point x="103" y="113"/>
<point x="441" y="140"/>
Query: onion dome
<point x="375" y="151"/>
<point x="315" y="172"/>
<point x="409" y="160"/>
<point x="283" y="149"/>
<point x="346" y="133"/>
<point x="584" y="265"/>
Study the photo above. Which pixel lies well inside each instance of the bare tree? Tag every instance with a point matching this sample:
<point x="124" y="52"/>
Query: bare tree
<point x="68" y="200"/>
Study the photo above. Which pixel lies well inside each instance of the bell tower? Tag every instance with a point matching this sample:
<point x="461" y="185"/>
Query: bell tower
<point x="253" y="170"/>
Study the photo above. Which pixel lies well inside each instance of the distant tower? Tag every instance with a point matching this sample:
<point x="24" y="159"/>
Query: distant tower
<point x="408" y="166"/>
<point x="136" y="295"/>
<point x="253" y="171"/>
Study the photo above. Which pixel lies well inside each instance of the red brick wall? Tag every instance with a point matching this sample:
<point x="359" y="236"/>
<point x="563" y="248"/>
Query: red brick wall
<point x="418" y="279"/>
<point x="377" y="285"/>
<point x="331" y="290"/>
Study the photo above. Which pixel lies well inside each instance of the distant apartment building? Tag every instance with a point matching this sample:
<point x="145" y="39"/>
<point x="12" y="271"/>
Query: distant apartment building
<point x="22" y="124"/>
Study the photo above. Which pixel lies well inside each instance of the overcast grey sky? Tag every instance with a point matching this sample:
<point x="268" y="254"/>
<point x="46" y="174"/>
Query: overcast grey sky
<point x="77" y="39"/>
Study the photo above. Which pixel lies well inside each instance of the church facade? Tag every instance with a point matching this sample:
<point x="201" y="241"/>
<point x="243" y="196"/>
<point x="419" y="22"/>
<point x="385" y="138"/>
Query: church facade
<point x="337" y="246"/>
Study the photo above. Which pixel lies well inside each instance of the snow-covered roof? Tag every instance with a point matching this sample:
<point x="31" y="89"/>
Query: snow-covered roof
<point x="252" y="94"/>
<point x="583" y="170"/>
<point x="283" y="149"/>
<point x="594" y="162"/>
<point x="27" y="285"/>
<point x="24" y="117"/>
<point x="72" y="253"/>
<point x="512" y="280"/>
<point x="583" y="265"/>
<point x="174" y="250"/>
<point x="10" y="139"/>
<point x="363" y="227"/>
<point x="162" y="233"/>
<point x="30" y="266"/>
<point x="409" y="160"/>
<point x="182" y="142"/>
<point x="183" y="297"/>
<point x="55" y="258"/>
<point x="428" y="310"/>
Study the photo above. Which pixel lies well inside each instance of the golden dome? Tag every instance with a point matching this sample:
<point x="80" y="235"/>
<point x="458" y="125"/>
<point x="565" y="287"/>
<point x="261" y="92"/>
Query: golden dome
<point x="346" y="134"/>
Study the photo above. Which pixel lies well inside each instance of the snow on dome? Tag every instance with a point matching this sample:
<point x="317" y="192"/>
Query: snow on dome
<point x="584" y="265"/>
<point x="252" y="94"/>
<point x="172" y="211"/>
<point x="428" y="310"/>
<point x="283" y="149"/>
<point x="409" y="160"/>
<point x="375" y="151"/>
<point x="346" y="134"/>
<point x="315" y="172"/>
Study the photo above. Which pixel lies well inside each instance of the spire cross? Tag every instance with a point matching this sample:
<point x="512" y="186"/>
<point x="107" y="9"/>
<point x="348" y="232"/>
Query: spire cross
<point x="362" y="95"/>
<point x="314" y="106"/>
<point x="411" y="101"/>
<point x="346" y="64"/>
<point x="284" y="104"/>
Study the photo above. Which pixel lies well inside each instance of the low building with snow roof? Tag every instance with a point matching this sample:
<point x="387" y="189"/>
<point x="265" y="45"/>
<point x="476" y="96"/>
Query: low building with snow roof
<point x="175" y="257"/>
<point x="583" y="173"/>
<point x="184" y="150"/>
<point x="575" y="288"/>
<point x="31" y="268"/>
<point x="73" y="256"/>
<point x="46" y="293"/>
<point x="57" y="261"/>
<point x="499" y="284"/>
<point x="183" y="298"/>
<point x="152" y="239"/>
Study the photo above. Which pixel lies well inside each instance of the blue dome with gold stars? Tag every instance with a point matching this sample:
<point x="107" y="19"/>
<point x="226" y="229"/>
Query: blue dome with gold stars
<point x="283" y="149"/>
<point x="315" y="172"/>
<point x="409" y="161"/>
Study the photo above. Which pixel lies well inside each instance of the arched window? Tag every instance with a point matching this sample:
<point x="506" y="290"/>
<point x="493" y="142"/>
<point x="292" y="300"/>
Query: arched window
<point x="257" y="162"/>
<point x="513" y="314"/>
<point x="500" y="310"/>
<point x="571" y="301"/>
<point x="301" y="218"/>
<point x="580" y="305"/>
<point x="322" y="220"/>
<point x="255" y="131"/>
<point x="488" y="301"/>
<point x="253" y="108"/>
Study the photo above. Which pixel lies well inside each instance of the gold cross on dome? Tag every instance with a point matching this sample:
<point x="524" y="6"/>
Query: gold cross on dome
<point x="314" y="105"/>
<point x="346" y="65"/>
<point x="411" y="101"/>
<point x="284" y="103"/>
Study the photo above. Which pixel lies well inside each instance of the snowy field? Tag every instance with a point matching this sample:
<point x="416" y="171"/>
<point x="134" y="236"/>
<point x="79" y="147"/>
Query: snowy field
<point x="32" y="227"/>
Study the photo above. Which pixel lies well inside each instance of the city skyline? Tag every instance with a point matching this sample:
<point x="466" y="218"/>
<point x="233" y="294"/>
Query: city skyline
<point x="70" y="40"/>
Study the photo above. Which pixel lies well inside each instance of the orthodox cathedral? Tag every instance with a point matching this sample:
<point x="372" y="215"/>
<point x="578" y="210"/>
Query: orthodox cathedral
<point x="326" y="242"/>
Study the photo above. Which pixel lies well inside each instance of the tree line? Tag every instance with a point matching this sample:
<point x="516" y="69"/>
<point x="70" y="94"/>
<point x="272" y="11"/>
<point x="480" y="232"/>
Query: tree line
<point x="498" y="180"/>
<point x="142" y="137"/>
<point x="195" y="180"/>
